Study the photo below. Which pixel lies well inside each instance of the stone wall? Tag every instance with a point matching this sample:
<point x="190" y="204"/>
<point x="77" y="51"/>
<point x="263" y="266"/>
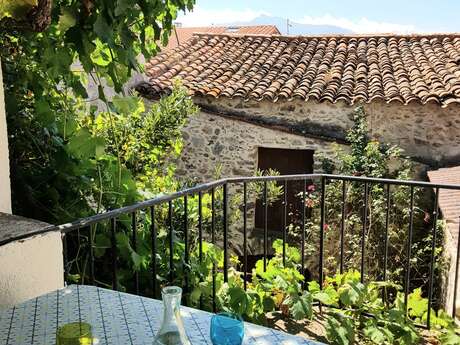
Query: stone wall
<point x="213" y="142"/>
<point x="428" y="132"/>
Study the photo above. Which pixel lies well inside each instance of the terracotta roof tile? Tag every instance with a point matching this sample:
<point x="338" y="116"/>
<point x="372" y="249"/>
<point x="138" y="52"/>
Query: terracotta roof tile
<point x="404" y="69"/>
<point x="183" y="34"/>
<point x="449" y="200"/>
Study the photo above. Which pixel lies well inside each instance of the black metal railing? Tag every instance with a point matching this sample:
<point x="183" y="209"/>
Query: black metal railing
<point x="220" y="213"/>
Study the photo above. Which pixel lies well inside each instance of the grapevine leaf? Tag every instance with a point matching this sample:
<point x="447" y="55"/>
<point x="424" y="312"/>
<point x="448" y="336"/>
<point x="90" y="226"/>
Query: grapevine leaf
<point x="323" y="297"/>
<point x="301" y="307"/>
<point x="417" y="305"/>
<point x="66" y="20"/>
<point x="83" y="145"/>
<point x="103" y="30"/>
<point x="352" y="293"/>
<point x="340" y="330"/>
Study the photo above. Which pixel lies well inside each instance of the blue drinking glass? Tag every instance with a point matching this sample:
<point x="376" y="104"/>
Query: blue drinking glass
<point x="227" y="329"/>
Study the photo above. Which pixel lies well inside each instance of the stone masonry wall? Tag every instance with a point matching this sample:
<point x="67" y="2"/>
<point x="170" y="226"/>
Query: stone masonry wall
<point x="427" y="132"/>
<point x="212" y="142"/>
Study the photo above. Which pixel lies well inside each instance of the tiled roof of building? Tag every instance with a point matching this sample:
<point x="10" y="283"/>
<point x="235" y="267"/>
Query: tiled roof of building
<point x="449" y="200"/>
<point x="182" y="34"/>
<point x="417" y="68"/>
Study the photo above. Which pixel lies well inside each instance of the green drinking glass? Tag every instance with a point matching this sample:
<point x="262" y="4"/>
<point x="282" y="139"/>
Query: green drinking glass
<point x="75" y="333"/>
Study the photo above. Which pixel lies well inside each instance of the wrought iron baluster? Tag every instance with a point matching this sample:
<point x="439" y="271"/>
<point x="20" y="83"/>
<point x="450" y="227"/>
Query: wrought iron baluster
<point x="113" y="243"/>
<point x="342" y="226"/>
<point x="186" y="254"/>
<point x="134" y="241"/>
<point x="225" y="221"/>
<point x="433" y="248"/>
<point x="245" y="236"/>
<point x="153" y="238"/>
<point x="200" y="234"/>
<point x="171" y="242"/>
<point x="409" y="247"/>
<point x="284" y="222"/>
<point x="66" y="257"/>
<point x="92" y="277"/>
<point x="213" y="240"/>
<point x="265" y="204"/>
<point x="321" y="237"/>
<point x="200" y="227"/>
<point x="363" y="234"/>
<point x="302" y="241"/>
<point x="387" y="225"/>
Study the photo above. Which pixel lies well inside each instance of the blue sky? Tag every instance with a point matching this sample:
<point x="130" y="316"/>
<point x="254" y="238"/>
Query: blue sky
<point x="403" y="16"/>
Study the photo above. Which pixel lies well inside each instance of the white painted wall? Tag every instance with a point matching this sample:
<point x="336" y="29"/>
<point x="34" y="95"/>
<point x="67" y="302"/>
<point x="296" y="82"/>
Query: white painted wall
<point x="5" y="188"/>
<point x="30" y="268"/>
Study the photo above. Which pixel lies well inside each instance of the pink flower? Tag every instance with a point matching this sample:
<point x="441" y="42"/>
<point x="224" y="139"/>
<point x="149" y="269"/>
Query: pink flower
<point x="326" y="227"/>
<point x="311" y="188"/>
<point x="309" y="203"/>
<point x="427" y="217"/>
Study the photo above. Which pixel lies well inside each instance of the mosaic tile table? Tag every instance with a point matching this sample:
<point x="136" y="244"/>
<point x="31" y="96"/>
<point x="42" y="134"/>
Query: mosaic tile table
<point x="116" y="318"/>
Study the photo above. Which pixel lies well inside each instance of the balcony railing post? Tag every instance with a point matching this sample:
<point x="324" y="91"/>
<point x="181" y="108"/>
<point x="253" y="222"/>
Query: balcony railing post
<point x="171" y="242"/>
<point x="432" y="257"/>
<point x="387" y="225"/>
<point x="302" y="240"/>
<point x="186" y="254"/>
<point x="321" y="233"/>
<point x="225" y="221"/>
<point x="65" y="249"/>
<point x="409" y="247"/>
<point x="113" y="252"/>
<point x="200" y="234"/>
<point x="91" y="231"/>
<point x="153" y="238"/>
<point x="284" y="222"/>
<point x="134" y="242"/>
<point x="213" y="240"/>
<point x="342" y="225"/>
<point x="200" y="227"/>
<point x="265" y="204"/>
<point x="245" y="235"/>
<point x="363" y="234"/>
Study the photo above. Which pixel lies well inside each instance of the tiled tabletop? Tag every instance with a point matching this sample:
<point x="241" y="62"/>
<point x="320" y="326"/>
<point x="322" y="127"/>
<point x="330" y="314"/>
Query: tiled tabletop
<point x="116" y="318"/>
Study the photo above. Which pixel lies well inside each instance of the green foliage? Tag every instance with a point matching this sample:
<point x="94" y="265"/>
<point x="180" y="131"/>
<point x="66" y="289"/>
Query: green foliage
<point x="355" y="312"/>
<point x="71" y="159"/>
<point x="66" y="162"/>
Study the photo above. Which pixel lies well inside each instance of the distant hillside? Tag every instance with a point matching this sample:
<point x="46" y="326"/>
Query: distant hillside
<point x="295" y="28"/>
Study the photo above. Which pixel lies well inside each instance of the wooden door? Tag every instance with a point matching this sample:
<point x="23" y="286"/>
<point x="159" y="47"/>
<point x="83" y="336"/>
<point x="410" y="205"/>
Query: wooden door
<point x="286" y="162"/>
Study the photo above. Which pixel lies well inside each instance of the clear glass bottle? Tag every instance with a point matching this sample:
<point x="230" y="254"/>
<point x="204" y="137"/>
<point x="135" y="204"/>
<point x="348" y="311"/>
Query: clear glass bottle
<point x="172" y="330"/>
